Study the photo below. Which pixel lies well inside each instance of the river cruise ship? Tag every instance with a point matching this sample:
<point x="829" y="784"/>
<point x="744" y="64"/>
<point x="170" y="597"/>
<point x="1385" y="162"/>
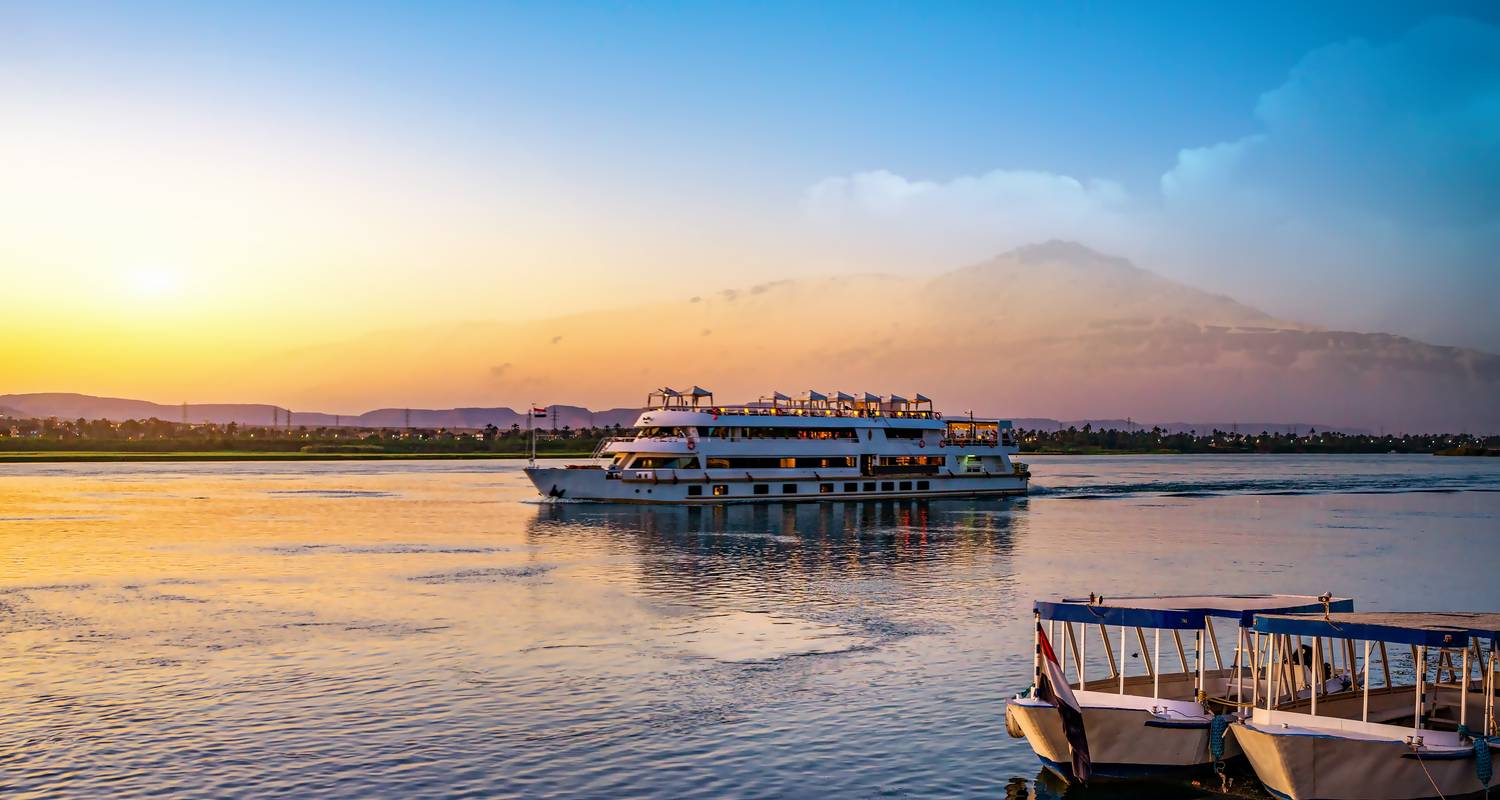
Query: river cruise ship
<point x="686" y="449"/>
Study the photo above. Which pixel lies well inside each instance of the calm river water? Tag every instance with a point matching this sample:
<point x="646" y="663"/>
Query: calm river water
<point x="428" y="630"/>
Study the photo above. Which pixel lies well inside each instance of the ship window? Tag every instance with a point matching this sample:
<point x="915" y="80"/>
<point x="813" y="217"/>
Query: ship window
<point x="870" y="486"/>
<point x="887" y="486"/>
<point x="923" y="485"/>
<point x="788" y="488"/>
<point x="851" y="487"/>
<point x="665" y="462"/>
<point x="695" y="491"/>
<point x="762" y="488"/>
<point x="788" y="463"/>
<point x="721" y="489"/>
<point x="903" y="433"/>
<point x="906" y="486"/>
<point x="825" y="488"/>
<point x="718" y="463"/>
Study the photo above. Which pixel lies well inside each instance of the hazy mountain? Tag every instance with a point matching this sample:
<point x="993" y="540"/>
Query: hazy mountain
<point x="74" y="406"/>
<point x="1051" y="331"/>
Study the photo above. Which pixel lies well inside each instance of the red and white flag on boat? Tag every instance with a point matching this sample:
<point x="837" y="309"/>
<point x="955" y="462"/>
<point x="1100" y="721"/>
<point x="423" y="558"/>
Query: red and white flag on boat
<point x="1052" y="686"/>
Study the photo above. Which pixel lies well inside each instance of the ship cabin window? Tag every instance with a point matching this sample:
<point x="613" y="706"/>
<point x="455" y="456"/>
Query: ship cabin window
<point x="923" y="485"/>
<point x="665" y="462"/>
<point x="762" y="488"/>
<point x="906" y="486"/>
<point x="768" y="432"/>
<point x="851" y="487"/>
<point x="800" y="462"/>
<point x="660" y="433"/>
<point x="887" y="486"/>
<point x="903" y="433"/>
<point x="788" y="488"/>
<point x="825" y="488"/>
<point x="870" y="486"/>
<point x="695" y="491"/>
<point x="721" y="489"/>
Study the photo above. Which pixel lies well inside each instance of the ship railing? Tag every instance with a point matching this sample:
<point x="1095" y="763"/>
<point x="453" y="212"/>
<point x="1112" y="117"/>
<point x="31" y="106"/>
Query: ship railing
<point x="608" y="442"/>
<point x="796" y="411"/>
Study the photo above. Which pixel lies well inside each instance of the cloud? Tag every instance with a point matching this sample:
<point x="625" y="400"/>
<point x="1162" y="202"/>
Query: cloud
<point x="893" y="219"/>
<point x="1369" y="196"/>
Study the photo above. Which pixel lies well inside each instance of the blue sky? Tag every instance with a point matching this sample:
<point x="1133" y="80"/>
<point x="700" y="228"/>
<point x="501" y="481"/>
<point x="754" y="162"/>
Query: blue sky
<point x="1275" y="152"/>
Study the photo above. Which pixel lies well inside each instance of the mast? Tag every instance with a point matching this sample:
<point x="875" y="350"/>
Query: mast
<point x="531" y="432"/>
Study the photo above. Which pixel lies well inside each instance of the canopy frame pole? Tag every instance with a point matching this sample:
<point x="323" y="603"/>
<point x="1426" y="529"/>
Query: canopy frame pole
<point x="1122" y="659"/>
<point x="1421" y="666"/>
<point x="1181" y="654"/>
<point x="1156" y="673"/>
<point x="1036" y="651"/>
<point x="1109" y="651"/>
<point x="1083" y="657"/>
<point x="1202" y="662"/>
<point x="1052" y="637"/>
<point x="1255" y="672"/>
<point x="1385" y="665"/>
<point x="1272" y="673"/>
<point x="1239" y="668"/>
<point x="1140" y="636"/>
<point x="1463" y="693"/>
<point x="1213" y="638"/>
<point x="1317" y="665"/>
<point x="1077" y="657"/>
<point x="1364" y="715"/>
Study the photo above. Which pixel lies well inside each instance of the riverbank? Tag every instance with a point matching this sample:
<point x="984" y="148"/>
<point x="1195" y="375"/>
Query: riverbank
<point x="35" y="457"/>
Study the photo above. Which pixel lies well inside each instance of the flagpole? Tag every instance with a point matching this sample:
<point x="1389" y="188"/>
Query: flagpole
<point x="531" y="432"/>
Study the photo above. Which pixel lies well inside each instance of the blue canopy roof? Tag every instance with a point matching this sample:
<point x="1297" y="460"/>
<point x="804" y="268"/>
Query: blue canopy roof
<point x="1398" y="627"/>
<point x="1183" y="611"/>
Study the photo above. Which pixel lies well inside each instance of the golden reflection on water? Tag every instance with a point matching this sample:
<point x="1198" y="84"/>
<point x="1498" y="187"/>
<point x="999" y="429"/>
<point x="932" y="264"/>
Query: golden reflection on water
<point x="419" y="629"/>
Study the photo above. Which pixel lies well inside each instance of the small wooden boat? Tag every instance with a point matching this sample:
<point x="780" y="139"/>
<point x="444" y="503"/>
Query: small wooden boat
<point x="1421" y="733"/>
<point x="1158" y="720"/>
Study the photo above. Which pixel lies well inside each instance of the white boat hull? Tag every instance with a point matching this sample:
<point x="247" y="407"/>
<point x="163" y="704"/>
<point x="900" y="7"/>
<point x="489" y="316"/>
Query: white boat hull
<point x="1126" y="737"/>
<point x="737" y="487"/>
<point x="1310" y="763"/>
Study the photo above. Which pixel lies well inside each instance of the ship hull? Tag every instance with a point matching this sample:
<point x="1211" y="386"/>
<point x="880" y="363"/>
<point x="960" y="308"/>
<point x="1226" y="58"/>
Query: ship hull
<point x="698" y="488"/>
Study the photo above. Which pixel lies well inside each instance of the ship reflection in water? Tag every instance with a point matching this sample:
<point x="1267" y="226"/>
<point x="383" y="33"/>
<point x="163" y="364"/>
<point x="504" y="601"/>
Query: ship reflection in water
<point x="430" y="629"/>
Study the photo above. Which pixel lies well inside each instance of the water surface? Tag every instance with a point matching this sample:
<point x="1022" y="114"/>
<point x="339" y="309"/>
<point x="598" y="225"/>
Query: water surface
<point x="425" y="629"/>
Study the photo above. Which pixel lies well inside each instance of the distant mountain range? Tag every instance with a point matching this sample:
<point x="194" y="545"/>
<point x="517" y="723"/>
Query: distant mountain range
<point x="1048" y="331"/>
<point x="74" y="406"/>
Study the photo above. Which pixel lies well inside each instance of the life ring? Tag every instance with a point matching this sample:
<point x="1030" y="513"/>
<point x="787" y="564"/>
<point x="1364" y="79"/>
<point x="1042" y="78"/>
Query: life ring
<point x="692" y="445"/>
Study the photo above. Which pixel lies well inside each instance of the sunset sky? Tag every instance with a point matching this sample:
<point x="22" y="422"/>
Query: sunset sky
<point x="183" y="185"/>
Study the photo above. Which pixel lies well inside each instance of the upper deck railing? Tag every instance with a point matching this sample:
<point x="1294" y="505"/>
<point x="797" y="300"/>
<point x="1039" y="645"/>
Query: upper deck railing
<point x="789" y="410"/>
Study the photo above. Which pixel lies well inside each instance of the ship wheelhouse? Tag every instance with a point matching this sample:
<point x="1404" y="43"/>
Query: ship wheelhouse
<point x="817" y="444"/>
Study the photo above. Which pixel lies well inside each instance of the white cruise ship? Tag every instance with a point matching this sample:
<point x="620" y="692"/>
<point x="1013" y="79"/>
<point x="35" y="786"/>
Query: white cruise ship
<point x="688" y="450"/>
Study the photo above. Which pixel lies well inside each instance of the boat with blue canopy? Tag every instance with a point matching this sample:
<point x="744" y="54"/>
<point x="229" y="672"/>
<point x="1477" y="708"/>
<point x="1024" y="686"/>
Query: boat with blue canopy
<point x="1419" y="725"/>
<point x="1141" y="716"/>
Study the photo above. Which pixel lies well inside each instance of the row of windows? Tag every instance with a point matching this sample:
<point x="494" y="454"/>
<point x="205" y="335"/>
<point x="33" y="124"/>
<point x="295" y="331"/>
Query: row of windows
<point x="736" y="432"/>
<point x="778" y="462"/>
<point x="852" y="487"/>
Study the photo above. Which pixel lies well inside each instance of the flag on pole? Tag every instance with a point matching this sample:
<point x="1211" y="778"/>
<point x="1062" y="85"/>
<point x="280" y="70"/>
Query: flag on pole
<point x="1053" y="688"/>
<point x="538" y="412"/>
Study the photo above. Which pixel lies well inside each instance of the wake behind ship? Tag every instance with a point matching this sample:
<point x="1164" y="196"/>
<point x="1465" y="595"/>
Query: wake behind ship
<point x="686" y="449"/>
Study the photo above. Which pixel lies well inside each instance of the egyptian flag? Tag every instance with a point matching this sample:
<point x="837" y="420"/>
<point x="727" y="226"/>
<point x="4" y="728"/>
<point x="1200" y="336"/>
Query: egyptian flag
<point x="538" y="412"/>
<point x="1052" y="686"/>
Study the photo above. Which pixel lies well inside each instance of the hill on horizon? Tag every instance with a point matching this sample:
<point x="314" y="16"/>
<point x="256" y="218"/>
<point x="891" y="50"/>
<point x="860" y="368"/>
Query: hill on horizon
<point x="1049" y="331"/>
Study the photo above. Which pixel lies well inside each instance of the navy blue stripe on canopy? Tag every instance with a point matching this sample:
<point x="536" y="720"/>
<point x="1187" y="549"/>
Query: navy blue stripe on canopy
<point x="1379" y="628"/>
<point x="1120" y="615"/>
<point x="1246" y="617"/>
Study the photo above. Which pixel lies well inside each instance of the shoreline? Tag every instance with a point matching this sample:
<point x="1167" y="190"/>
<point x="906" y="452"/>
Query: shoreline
<point x="63" y="456"/>
<point x="87" y="456"/>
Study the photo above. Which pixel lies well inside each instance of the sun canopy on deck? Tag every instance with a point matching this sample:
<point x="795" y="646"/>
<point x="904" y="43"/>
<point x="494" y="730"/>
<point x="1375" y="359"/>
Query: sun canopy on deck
<point x="1432" y="629"/>
<point x="1153" y="611"/>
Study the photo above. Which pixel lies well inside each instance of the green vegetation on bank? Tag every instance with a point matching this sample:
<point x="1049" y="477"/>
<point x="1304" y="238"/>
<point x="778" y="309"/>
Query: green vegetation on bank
<point x="1109" y="441"/>
<point x="32" y="440"/>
